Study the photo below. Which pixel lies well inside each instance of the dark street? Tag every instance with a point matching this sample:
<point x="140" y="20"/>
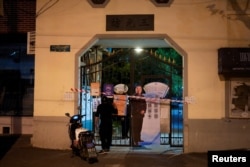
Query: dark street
<point x="16" y="151"/>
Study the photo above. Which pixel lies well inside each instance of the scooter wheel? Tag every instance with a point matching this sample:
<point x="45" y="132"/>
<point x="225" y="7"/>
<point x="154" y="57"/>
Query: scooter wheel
<point x="92" y="160"/>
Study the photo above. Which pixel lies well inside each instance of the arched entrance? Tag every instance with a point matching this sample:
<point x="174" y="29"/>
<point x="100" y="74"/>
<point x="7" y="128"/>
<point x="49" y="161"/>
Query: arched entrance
<point x="115" y="61"/>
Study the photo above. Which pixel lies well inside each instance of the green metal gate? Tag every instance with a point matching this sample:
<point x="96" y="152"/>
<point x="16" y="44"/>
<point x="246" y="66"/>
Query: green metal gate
<point x="123" y="65"/>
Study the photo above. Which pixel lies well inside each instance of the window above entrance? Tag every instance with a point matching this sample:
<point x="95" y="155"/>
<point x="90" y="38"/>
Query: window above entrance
<point x="162" y="3"/>
<point x="98" y="3"/>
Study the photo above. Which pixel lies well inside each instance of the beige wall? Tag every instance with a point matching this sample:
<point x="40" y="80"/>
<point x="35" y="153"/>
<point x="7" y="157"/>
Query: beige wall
<point x="193" y="27"/>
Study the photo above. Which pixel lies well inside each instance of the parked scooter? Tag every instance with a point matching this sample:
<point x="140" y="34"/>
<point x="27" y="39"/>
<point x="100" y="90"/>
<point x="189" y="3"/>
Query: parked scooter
<point x="82" y="140"/>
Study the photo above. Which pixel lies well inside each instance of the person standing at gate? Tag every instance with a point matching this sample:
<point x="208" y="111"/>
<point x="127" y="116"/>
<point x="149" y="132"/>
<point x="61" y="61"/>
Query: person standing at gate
<point x="138" y="108"/>
<point x="103" y="121"/>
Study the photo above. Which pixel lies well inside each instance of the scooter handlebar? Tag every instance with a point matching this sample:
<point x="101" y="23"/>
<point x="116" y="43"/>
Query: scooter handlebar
<point x="77" y="115"/>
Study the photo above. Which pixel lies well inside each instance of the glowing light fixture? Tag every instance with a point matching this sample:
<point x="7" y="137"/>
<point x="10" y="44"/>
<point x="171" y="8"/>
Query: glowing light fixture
<point x="138" y="50"/>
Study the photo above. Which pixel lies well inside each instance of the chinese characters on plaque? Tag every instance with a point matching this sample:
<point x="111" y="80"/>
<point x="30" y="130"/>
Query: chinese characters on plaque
<point x="130" y="22"/>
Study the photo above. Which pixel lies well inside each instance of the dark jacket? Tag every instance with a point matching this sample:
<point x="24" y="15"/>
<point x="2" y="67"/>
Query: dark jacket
<point x="136" y="106"/>
<point x="105" y="111"/>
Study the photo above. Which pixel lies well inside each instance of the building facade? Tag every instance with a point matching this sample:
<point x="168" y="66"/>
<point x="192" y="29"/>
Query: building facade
<point x="196" y="29"/>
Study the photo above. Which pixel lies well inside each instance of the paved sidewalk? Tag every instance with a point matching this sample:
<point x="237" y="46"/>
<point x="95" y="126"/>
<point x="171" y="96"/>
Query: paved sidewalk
<point x="22" y="154"/>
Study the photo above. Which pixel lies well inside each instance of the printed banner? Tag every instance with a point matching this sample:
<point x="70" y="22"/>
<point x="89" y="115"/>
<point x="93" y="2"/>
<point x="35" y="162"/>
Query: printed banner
<point x="108" y="89"/>
<point x="95" y="89"/>
<point x="121" y="104"/>
<point x="156" y="89"/>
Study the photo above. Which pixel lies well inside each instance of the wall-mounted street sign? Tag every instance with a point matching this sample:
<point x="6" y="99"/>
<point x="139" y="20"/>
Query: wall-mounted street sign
<point x="60" y="48"/>
<point x="138" y="22"/>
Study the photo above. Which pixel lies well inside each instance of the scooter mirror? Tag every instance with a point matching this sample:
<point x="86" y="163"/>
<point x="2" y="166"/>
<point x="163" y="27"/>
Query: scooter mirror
<point x="67" y="114"/>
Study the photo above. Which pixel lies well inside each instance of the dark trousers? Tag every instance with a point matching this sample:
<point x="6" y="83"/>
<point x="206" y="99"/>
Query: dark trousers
<point x="105" y="133"/>
<point x="125" y="126"/>
<point x="136" y="129"/>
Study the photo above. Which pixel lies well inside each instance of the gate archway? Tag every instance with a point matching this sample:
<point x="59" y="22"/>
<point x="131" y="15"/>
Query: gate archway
<point x="123" y="65"/>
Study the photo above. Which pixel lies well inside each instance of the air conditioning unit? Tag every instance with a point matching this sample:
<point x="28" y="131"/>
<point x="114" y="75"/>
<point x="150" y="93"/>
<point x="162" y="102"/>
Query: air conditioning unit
<point x="31" y="41"/>
<point x="234" y="62"/>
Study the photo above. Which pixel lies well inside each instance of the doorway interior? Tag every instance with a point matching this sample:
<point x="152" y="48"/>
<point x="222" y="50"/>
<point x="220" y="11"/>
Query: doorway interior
<point x="132" y="62"/>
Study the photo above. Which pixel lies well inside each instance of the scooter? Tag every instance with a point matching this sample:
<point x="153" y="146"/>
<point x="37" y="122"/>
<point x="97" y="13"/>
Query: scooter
<point x="82" y="140"/>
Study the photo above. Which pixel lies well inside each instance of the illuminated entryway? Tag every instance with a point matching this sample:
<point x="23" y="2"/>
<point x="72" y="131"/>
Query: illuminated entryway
<point x="115" y="61"/>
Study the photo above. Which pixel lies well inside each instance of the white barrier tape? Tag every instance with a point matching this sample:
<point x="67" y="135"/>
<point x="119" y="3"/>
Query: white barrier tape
<point x="187" y="99"/>
<point x="78" y="90"/>
<point x="159" y="100"/>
